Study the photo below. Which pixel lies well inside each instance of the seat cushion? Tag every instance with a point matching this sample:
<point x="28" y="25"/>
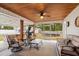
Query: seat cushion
<point x="67" y="52"/>
<point x="75" y="41"/>
<point x="67" y="48"/>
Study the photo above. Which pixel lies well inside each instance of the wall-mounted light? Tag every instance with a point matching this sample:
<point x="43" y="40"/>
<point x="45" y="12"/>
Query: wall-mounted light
<point x="68" y="23"/>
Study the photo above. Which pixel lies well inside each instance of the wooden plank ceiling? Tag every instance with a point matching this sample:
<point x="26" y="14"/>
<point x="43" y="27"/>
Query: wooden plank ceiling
<point x="31" y="11"/>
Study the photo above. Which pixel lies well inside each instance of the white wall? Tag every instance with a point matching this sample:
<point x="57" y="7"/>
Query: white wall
<point x="72" y="29"/>
<point x="9" y="32"/>
<point x="49" y="22"/>
<point x="4" y="51"/>
<point x="9" y="18"/>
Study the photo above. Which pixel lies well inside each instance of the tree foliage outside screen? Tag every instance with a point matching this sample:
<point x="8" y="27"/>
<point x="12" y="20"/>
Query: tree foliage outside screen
<point x="46" y="27"/>
<point x="39" y="26"/>
<point x="50" y="27"/>
<point x="57" y="27"/>
<point x="6" y="28"/>
<point x="0" y="27"/>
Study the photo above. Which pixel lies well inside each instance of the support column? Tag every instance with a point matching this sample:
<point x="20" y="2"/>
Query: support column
<point x="21" y="29"/>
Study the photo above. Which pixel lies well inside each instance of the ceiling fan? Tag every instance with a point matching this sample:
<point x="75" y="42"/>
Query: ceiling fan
<point x="41" y="10"/>
<point x="43" y="14"/>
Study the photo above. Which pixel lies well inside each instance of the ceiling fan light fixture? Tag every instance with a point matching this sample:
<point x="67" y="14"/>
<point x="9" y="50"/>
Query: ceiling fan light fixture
<point x="41" y="17"/>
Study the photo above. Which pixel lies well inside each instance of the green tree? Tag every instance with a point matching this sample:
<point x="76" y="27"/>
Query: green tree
<point x="58" y="26"/>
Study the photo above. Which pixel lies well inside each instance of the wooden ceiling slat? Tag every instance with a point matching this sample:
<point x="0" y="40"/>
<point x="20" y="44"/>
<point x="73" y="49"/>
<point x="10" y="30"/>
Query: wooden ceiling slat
<point x="31" y="10"/>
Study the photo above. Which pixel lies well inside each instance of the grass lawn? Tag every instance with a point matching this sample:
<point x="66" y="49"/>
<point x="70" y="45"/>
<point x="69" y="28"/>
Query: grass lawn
<point x="1" y="37"/>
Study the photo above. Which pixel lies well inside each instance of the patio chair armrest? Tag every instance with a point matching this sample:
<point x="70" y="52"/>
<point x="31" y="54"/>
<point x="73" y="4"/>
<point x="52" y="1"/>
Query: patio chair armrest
<point x="67" y="46"/>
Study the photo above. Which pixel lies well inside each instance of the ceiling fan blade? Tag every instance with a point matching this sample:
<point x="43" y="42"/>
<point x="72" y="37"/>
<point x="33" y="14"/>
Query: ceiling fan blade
<point x="41" y="10"/>
<point x="47" y="16"/>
